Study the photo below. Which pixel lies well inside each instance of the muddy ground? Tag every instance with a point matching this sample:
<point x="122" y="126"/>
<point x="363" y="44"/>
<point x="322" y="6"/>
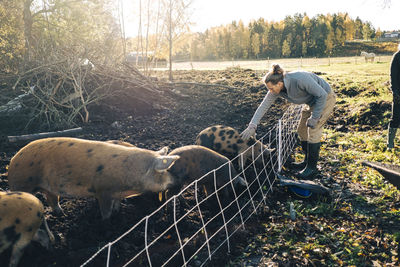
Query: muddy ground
<point x="185" y="109"/>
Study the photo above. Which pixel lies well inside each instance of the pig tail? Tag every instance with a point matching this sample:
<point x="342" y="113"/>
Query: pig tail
<point x="275" y="75"/>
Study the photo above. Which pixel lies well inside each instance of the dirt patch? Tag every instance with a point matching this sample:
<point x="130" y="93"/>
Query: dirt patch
<point x="365" y="117"/>
<point x="186" y="109"/>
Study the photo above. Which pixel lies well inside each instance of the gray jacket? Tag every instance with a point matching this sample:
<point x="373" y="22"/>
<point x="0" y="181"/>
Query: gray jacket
<point x="301" y="88"/>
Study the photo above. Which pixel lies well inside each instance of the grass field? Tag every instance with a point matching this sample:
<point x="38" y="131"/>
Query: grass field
<point x="371" y="85"/>
<point x="289" y="63"/>
<point x="361" y="226"/>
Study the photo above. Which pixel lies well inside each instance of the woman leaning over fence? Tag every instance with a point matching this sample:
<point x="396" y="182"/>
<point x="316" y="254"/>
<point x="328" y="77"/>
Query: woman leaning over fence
<point x="299" y="87"/>
<point x="395" y="86"/>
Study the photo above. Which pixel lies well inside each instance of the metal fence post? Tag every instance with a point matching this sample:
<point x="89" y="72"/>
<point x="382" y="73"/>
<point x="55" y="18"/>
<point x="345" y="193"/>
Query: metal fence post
<point x="279" y="145"/>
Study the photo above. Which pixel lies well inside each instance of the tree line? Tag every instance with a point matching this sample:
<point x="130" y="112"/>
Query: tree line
<point x="295" y="36"/>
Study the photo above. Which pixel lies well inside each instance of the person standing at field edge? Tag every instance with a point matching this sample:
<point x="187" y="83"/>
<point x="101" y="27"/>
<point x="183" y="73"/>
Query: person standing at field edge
<point x="395" y="86"/>
<point x="299" y="87"/>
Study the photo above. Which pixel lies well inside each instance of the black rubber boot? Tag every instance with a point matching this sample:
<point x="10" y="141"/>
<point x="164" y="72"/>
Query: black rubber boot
<point x="390" y="138"/>
<point x="301" y="165"/>
<point x="310" y="171"/>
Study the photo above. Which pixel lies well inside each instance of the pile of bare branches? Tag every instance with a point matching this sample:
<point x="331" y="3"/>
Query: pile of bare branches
<point x="59" y="94"/>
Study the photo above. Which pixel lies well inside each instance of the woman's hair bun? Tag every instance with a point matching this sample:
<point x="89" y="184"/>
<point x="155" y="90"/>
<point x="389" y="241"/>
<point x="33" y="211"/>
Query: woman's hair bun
<point x="276" y="69"/>
<point x="275" y="75"/>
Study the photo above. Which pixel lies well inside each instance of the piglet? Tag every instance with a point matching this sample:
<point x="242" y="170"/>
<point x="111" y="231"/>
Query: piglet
<point x="21" y="215"/>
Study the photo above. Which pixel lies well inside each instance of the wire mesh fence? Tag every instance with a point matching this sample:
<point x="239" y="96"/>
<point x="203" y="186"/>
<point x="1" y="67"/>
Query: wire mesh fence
<point x="190" y="227"/>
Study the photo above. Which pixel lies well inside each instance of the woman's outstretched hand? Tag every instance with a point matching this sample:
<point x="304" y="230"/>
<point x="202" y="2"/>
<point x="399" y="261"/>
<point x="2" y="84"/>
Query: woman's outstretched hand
<point x="249" y="131"/>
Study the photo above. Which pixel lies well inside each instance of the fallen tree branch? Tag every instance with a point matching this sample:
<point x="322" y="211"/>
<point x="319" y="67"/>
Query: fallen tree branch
<point x="31" y="137"/>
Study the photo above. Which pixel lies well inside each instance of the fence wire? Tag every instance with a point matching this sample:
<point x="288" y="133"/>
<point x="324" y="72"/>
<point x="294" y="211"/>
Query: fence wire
<point x="193" y="225"/>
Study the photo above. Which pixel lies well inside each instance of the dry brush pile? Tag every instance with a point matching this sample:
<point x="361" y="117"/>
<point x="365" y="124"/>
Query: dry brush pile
<point x="69" y="92"/>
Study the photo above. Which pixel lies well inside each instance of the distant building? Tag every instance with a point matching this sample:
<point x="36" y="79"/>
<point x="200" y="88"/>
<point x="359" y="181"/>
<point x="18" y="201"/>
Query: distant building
<point x="391" y="35"/>
<point x="140" y="60"/>
<point x="134" y="57"/>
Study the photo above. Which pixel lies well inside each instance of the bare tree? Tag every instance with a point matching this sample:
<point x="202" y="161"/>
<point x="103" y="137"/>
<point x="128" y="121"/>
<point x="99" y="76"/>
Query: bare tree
<point x="29" y="17"/>
<point x="177" y="19"/>
<point x="139" y="38"/>
<point x="387" y="3"/>
<point x="28" y="22"/>
<point x="157" y="36"/>
<point x="144" y="43"/>
<point x="145" y="62"/>
<point x="122" y="24"/>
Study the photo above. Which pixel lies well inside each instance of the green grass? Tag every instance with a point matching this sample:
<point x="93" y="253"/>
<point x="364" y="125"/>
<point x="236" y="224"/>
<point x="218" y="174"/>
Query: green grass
<point x="371" y="80"/>
<point x="355" y="147"/>
<point x="361" y="225"/>
<point x="350" y="149"/>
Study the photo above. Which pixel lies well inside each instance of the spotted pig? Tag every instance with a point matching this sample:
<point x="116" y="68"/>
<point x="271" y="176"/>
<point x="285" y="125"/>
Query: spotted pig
<point x="82" y="168"/>
<point x="227" y="141"/>
<point x="196" y="161"/>
<point x="21" y="215"/>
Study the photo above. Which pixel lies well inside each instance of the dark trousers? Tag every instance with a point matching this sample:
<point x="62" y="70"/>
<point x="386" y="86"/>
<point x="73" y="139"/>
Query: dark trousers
<point x="395" y="119"/>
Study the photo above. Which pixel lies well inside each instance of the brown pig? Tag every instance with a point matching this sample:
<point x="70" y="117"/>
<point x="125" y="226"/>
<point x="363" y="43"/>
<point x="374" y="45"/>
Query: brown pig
<point x="82" y="168"/>
<point x="119" y="142"/>
<point x="196" y="161"/>
<point x="162" y="151"/>
<point x="21" y="215"/>
<point x="227" y="141"/>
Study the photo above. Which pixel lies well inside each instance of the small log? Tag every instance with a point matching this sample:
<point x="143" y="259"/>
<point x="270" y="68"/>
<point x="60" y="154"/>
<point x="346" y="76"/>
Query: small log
<point x="390" y="172"/>
<point x="31" y="137"/>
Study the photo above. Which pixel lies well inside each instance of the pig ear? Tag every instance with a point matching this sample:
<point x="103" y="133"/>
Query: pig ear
<point x="241" y="181"/>
<point x="269" y="150"/>
<point x="163" y="163"/>
<point x="163" y="151"/>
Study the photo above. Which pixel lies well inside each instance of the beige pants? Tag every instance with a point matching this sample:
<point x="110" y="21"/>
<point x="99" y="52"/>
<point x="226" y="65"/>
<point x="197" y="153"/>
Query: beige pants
<point x="314" y="135"/>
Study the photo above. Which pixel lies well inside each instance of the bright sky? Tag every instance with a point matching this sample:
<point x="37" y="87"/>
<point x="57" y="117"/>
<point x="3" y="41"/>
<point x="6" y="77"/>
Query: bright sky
<point x="210" y="13"/>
